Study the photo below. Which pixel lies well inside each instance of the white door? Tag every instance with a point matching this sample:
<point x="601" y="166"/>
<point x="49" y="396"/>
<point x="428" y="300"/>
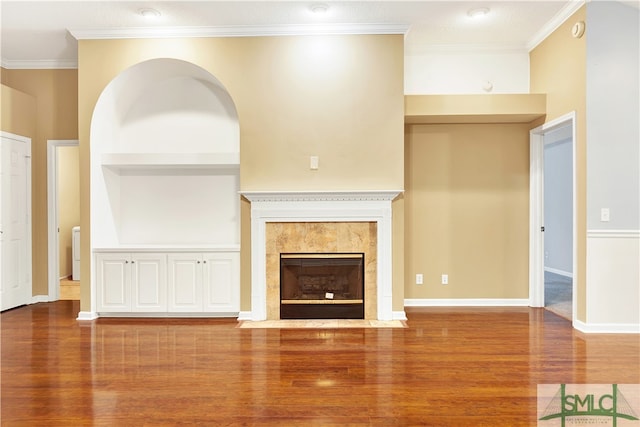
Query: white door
<point x="221" y="284"/>
<point x="15" y="221"/>
<point x="185" y="283"/>
<point x="113" y="282"/>
<point x="149" y="282"/>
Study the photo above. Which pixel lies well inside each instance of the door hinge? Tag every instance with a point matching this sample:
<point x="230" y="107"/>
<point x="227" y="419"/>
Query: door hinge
<point x="542" y="228"/>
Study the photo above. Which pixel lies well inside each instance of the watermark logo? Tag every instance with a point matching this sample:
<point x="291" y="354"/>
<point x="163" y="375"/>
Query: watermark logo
<point x="616" y="405"/>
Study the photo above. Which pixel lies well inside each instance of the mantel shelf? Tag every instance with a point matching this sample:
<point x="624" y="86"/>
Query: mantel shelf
<point x="208" y="161"/>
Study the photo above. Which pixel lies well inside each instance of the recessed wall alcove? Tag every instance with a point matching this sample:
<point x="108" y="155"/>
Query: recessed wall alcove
<point x="165" y="210"/>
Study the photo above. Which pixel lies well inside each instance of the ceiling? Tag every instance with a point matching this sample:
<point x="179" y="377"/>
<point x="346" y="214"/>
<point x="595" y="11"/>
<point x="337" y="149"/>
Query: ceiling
<point x="42" y="34"/>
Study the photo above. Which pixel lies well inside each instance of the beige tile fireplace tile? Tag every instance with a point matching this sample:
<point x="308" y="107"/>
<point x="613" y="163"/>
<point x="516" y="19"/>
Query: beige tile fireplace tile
<point x="322" y="324"/>
<point x="320" y="237"/>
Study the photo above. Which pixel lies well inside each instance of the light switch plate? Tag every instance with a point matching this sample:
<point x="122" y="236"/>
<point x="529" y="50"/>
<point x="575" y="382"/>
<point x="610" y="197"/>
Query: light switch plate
<point x="314" y="161"/>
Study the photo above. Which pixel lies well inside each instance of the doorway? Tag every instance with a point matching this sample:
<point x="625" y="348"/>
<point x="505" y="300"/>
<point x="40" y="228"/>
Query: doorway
<point x="558" y="221"/>
<point x="553" y="255"/>
<point x="15" y="221"/>
<point x="61" y="221"/>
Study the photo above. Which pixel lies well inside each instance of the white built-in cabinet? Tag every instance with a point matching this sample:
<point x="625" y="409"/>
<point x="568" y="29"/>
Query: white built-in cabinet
<point x="165" y="203"/>
<point x="173" y="246"/>
<point x="132" y="282"/>
<point x="166" y="283"/>
<point x="170" y="235"/>
<point x="202" y="282"/>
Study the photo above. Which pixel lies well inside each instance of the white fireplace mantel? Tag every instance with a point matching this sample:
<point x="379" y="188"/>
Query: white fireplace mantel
<point x="320" y="206"/>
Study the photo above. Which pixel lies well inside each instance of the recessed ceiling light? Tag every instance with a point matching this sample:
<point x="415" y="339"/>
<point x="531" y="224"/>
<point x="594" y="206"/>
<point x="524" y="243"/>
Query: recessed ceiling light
<point x="149" y="13"/>
<point x="319" y="8"/>
<point x="478" y="12"/>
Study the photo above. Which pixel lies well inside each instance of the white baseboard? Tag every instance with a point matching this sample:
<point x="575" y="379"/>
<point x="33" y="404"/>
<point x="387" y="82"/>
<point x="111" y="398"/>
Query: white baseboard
<point x="39" y="298"/>
<point x="168" y="315"/>
<point x="559" y="272"/>
<point x="244" y="315"/>
<point x="606" y="328"/>
<point x="87" y="315"/>
<point x="466" y="302"/>
<point x="399" y="315"/>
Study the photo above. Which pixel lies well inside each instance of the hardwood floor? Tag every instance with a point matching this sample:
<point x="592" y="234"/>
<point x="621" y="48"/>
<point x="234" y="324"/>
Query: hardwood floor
<point x="450" y="367"/>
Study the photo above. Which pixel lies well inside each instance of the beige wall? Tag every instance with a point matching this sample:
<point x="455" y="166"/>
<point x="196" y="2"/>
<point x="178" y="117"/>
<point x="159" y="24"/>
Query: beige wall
<point x="56" y="112"/>
<point x="18" y="112"/>
<point x="558" y="68"/>
<point x="336" y="97"/>
<point x="68" y="204"/>
<point x="467" y="215"/>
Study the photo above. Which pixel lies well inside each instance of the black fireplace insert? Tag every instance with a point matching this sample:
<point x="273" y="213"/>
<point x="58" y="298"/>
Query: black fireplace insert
<point x="322" y="285"/>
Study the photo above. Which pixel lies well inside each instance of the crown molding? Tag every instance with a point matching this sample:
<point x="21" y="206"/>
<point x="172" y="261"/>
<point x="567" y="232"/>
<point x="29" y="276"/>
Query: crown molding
<point x="38" y="64"/>
<point x="468" y="48"/>
<point x="565" y="13"/>
<point x="237" y="31"/>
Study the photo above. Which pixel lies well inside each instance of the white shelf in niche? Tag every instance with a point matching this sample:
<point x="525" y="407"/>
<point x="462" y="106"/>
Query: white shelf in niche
<point x="232" y="247"/>
<point x="167" y="161"/>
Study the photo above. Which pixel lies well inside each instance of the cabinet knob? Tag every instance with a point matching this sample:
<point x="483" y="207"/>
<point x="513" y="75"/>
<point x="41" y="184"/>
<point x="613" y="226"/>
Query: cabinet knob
<point x="204" y="262"/>
<point x="126" y="262"/>
<point x="198" y="262"/>
<point x="133" y="262"/>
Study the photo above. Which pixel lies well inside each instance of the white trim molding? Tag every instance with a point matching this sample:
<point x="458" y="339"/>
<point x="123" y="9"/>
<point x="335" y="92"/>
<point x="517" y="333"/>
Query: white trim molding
<point x="614" y="234"/>
<point x="565" y="13"/>
<point x="238" y="31"/>
<point x="606" y="328"/>
<point x="320" y="206"/>
<point x="87" y="315"/>
<point x="399" y="315"/>
<point x="244" y="315"/>
<point x="466" y="302"/>
<point x="39" y="64"/>
<point x="39" y="298"/>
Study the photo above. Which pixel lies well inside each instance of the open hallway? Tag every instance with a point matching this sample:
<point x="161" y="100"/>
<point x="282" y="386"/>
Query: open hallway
<point x="450" y="367"/>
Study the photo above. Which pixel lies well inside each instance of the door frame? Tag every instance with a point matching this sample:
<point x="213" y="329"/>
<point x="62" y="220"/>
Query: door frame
<point x="536" y="209"/>
<point x="28" y="235"/>
<point x="52" y="214"/>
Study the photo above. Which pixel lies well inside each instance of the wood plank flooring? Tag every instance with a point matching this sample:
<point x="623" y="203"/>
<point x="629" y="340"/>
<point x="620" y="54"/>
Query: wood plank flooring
<point x="450" y="367"/>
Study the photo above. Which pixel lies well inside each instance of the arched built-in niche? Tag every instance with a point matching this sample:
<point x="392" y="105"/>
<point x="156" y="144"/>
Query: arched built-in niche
<point x="164" y="170"/>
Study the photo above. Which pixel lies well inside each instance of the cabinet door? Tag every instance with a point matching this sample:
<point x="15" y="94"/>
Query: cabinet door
<point x="185" y="283"/>
<point x="221" y="277"/>
<point x="149" y="282"/>
<point x="113" y="282"/>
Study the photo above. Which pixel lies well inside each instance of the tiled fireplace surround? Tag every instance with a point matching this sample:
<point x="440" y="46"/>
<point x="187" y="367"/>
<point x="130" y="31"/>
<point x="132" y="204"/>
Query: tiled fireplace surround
<point x="337" y="221"/>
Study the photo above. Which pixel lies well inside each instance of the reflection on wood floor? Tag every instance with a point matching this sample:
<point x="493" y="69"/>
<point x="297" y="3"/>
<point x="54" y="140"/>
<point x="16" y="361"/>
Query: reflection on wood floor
<point x="449" y="367"/>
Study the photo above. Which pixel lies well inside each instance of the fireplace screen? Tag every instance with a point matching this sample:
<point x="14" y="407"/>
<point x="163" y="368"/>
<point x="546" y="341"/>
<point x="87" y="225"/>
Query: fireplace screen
<point x="322" y="286"/>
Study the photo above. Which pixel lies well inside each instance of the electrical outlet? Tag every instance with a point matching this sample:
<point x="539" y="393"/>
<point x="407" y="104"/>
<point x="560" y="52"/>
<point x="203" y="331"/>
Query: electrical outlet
<point x="605" y="215"/>
<point x="445" y="279"/>
<point x="419" y="279"/>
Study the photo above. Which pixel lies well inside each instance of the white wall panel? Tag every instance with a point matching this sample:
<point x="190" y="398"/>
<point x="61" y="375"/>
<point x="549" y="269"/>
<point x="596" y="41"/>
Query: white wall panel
<point x="459" y="72"/>
<point x="613" y="279"/>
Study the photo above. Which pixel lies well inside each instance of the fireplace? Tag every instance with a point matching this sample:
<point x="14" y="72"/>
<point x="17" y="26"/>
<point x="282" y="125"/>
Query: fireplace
<point x="321" y="222"/>
<point x="322" y="286"/>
